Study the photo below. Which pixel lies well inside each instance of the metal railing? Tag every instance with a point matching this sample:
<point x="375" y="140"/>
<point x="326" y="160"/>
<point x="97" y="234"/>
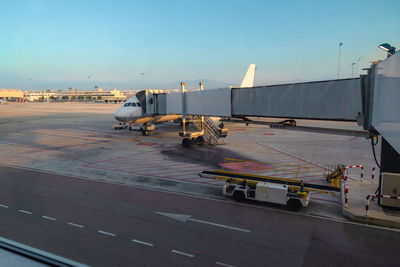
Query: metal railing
<point x="211" y="130"/>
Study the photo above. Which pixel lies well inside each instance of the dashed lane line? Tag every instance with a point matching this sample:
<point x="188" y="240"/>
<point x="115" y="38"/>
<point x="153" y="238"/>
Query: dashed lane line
<point x="142" y="242"/>
<point x="105" y="233"/>
<point x="25" y="211"/>
<point x="113" y="235"/>
<point x="224" y="264"/>
<point x="49" y="218"/>
<point x="182" y="253"/>
<point x="76" y="225"/>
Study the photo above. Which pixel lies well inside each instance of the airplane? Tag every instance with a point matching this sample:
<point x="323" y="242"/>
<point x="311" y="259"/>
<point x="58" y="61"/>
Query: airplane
<point x="3" y="101"/>
<point x="133" y="110"/>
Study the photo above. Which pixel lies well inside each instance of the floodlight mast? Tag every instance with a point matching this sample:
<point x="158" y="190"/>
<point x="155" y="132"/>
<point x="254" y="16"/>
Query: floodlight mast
<point x="391" y="50"/>
<point x="358" y="66"/>
<point x="338" y="71"/>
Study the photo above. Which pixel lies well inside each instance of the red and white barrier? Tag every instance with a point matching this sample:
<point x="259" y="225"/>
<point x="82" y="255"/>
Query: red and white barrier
<point x="373" y="173"/>
<point x="346" y="192"/>
<point x="377" y="195"/>
<point x="355" y="166"/>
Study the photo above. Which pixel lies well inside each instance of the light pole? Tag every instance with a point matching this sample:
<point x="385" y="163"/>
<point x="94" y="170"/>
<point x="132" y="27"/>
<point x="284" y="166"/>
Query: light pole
<point x="391" y="50"/>
<point x="142" y="78"/>
<point x="88" y="83"/>
<point x="358" y="65"/>
<point x="352" y="69"/>
<point x="30" y="81"/>
<point x="338" y="70"/>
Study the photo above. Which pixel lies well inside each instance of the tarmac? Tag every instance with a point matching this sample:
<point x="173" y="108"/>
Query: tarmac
<point x="103" y="224"/>
<point x="78" y="140"/>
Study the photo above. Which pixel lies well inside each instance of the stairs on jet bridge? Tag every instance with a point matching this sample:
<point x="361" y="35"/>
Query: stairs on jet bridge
<point x="212" y="132"/>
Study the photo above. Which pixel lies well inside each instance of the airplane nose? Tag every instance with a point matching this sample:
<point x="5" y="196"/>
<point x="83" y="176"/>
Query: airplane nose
<point x="120" y="119"/>
<point x="118" y="115"/>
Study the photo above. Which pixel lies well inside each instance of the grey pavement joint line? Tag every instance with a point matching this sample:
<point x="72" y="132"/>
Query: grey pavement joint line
<point x="142" y="242"/>
<point x="25" y="211"/>
<point x="4" y="206"/>
<point x="224" y="264"/>
<point x="105" y="233"/>
<point x="182" y="253"/>
<point x="76" y="225"/>
<point x="49" y="218"/>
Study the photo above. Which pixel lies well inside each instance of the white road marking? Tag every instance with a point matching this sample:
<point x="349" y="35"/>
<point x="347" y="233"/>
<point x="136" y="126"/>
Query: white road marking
<point x="76" y="225"/>
<point x="185" y="218"/>
<point x="142" y="242"/>
<point x="49" y="218"/>
<point x="221" y="225"/>
<point x="4" y="206"/>
<point x="106" y="233"/>
<point x="224" y="264"/>
<point x="25" y="211"/>
<point x="182" y="253"/>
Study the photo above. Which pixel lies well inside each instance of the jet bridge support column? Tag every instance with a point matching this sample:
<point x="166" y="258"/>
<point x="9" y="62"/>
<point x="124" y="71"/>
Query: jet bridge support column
<point x="389" y="175"/>
<point x="390" y="159"/>
<point x="383" y="115"/>
<point x="202" y="117"/>
<point x="183" y="106"/>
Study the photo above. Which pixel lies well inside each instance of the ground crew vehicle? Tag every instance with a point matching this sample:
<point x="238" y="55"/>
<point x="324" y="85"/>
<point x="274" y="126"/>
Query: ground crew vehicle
<point x="265" y="188"/>
<point x="269" y="192"/>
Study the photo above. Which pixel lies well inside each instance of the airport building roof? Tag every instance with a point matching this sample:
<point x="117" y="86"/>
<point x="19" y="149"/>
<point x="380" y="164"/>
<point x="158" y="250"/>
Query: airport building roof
<point x="11" y="93"/>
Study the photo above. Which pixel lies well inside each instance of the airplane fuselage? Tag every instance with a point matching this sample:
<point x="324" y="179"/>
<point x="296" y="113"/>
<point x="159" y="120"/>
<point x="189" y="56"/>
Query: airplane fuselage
<point x="131" y="111"/>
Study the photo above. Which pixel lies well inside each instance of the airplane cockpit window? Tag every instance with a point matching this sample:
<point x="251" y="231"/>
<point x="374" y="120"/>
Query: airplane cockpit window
<point x="138" y="104"/>
<point x="133" y="104"/>
<point x="127" y="105"/>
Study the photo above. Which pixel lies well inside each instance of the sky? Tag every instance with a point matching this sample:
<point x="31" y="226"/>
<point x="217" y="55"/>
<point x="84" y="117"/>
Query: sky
<point x="58" y="44"/>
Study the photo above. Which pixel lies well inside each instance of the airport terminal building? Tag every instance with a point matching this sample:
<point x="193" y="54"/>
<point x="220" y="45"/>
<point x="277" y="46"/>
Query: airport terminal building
<point x="76" y="95"/>
<point x="106" y="96"/>
<point x="8" y="94"/>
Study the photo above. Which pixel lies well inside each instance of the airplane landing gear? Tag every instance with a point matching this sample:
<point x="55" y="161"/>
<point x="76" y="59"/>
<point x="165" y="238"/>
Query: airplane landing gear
<point x="147" y="128"/>
<point x="145" y="132"/>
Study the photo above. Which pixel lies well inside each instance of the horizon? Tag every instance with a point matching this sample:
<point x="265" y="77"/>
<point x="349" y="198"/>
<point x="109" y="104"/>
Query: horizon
<point x="56" y="45"/>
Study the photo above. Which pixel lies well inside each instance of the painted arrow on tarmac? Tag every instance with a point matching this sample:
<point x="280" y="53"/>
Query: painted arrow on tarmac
<point x="185" y="218"/>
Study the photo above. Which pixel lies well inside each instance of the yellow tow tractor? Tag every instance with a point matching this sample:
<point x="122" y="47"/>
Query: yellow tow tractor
<point x="291" y="192"/>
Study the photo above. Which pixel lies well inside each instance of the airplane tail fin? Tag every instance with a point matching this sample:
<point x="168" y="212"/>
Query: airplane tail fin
<point x="248" y="80"/>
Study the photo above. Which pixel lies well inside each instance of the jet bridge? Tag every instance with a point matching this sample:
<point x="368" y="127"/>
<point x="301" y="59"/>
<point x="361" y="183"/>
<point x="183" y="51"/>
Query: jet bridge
<point x="373" y="101"/>
<point x="324" y="100"/>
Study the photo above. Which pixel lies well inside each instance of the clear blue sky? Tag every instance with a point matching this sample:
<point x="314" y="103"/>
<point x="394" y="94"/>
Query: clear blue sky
<point x="62" y="42"/>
